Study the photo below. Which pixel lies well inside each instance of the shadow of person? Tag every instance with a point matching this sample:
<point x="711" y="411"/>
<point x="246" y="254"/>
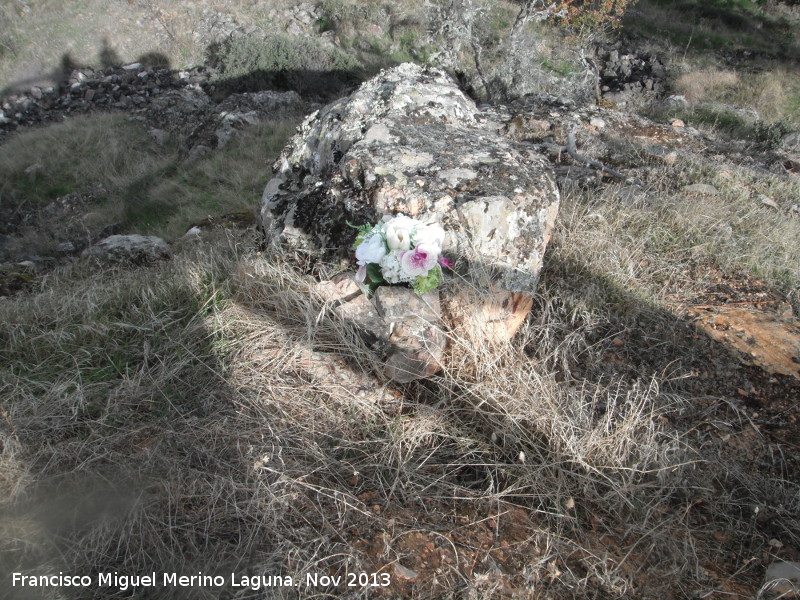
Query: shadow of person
<point x="108" y="57"/>
<point x="65" y="67"/>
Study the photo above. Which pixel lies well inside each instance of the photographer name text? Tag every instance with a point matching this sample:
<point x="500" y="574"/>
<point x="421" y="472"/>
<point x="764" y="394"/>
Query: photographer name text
<point x="200" y="580"/>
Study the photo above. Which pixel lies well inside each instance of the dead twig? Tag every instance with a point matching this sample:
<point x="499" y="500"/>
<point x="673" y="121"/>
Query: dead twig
<point x="572" y="150"/>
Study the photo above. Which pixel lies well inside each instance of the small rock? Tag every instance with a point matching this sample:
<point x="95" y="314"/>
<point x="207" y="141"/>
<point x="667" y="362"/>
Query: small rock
<point x="160" y="136"/>
<point x="223" y="136"/>
<point x="396" y="303"/>
<point x="132" y="66"/>
<point x="783" y="579"/>
<point x="34" y="170"/>
<point x="65" y="248"/>
<point x="198" y="152"/>
<point x="677" y="100"/>
<point x="416" y="342"/>
<point x="597" y="122"/>
<point x="767" y="201"/>
<point x="678" y="123"/>
<point x="791" y="140"/>
<point x="362" y="313"/>
<point x="702" y="189"/>
<point x="342" y="288"/>
<point x="36" y="92"/>
<point x="193" y="232"/>
<point x="404" y="572"/>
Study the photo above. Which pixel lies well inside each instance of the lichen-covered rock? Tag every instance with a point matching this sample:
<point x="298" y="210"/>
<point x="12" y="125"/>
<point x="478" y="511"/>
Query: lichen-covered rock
<point x="133" y="248"/>
<point x="409" y="141"/>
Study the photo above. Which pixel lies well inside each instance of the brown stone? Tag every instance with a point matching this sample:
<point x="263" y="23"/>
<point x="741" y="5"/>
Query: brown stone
<point x="402" y="327"/>
<point x="397" y="303"/>
<point x="363" y="314"/>
<point x="415" y="350"/>
<point x="488" y="317"/>
<point x="416" y="342"/>
<point x="341" y="288"/>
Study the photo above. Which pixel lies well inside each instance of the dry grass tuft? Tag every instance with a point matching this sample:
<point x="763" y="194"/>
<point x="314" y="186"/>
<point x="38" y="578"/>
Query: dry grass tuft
<point x="706" y="84"/>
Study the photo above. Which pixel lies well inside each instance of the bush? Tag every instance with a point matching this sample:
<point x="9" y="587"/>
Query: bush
<point x="769" y="135"/>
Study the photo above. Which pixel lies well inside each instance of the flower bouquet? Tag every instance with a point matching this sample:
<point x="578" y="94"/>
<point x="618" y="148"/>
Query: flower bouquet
<point x="399" y="249"/>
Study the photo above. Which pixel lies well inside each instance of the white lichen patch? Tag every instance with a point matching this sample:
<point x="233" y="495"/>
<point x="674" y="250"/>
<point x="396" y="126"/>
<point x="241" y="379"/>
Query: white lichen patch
<point x="454" y="176"/>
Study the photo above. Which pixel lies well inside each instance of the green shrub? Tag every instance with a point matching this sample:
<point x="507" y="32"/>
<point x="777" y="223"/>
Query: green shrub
<point x="769" y="135"/>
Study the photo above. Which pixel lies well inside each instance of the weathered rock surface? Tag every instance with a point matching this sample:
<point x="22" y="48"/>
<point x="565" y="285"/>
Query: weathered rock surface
<point x="416" y="342"/>
<point x="409" y="141"/>
<point x="134" y="248"/>
<point x="630" y="78"/>
<point x="487" y="317"/>
<point x="403" y="328"/>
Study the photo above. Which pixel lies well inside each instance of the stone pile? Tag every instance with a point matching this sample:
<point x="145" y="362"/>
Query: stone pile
<point x="631" y="79"/>
<point x="175" y="104"/>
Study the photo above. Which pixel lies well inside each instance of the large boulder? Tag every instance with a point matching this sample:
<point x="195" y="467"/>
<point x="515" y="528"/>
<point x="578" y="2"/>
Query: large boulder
<point x="409" y="141"/>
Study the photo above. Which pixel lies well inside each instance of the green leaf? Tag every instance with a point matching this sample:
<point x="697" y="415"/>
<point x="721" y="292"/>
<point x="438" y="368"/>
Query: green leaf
<point x="374" y="273"/>
<point x="363" y="233"/>
<point x="423" y="285"/>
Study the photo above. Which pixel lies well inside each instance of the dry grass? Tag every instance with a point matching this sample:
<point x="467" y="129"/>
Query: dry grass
<point x="152" y="416"/>
<point x="706" y="84"/>
<point x="39" y="39"/>
<point x="167" y="419"/>
<point x="105" y="150"/>
<point x="212" y="415"/>
<point x="772" y="92"/>
<point x="118" y="174"/>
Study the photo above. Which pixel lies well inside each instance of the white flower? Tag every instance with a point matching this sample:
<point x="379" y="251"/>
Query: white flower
<point x="399" y="230"/>
<point x="431" y="236"/>
<point x="371" y="250"/>
<point x="392" y="270"/>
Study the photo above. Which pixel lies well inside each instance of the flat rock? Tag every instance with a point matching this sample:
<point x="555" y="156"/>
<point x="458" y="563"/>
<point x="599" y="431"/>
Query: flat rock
<point x="134" y="248"/>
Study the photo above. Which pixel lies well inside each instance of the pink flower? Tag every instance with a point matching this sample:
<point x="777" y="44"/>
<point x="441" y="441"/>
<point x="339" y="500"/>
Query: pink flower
<point x="419" y="261"/>
<point x="445" y="262"/>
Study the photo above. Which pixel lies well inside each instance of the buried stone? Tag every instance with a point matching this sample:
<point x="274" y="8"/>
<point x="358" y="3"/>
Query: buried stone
<point x="402" y="327"/>
<point x="409" y="141"/>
